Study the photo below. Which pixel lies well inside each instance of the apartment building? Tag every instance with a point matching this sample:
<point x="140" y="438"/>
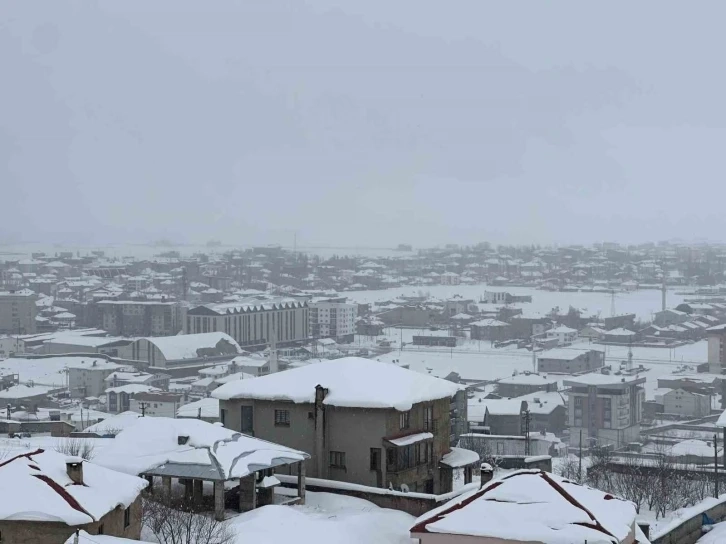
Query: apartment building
<point x="18" y="311"/>
<point x="363" y="421"/>
<point x="253" y="322"/>
<point x="606" y="409"/>
<point x="139" y="318"/>
<point x="332" y="318"/>
<point x="716" y="355"/>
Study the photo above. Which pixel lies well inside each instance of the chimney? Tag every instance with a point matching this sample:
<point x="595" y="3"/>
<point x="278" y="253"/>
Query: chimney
<point x="487" y="473"/>
<point x="74" y="469"/>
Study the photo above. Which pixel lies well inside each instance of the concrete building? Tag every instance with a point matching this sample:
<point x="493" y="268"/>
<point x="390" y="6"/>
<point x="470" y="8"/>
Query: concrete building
<point x="157" y="380"/>
<point x="18" y="312"/>
<point x="182" y="349"/>
<point x="490" y="329"/>
<point x="157" y="403"/>
<point x="686" y="403"/>
<point x="716" y="353"/>
<point x="253" y="322"/>
<point x="364" y="422"/>
<point x="333" y="318"/>
<point x="570" y="360"/>
<point x="564" y="335"/>
<point x="87" y="376"/>
<point x="524" y="384"/>
<point x="50" y="496"/>
<point x="606" y="409"/>
<point x="139" y="318"/>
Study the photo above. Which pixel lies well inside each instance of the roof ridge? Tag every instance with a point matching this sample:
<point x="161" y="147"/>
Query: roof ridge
<point x="55" y="486"/>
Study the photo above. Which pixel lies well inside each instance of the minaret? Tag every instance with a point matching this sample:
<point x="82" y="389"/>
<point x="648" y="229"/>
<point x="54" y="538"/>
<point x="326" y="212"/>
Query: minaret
<point x="273" y="350"/>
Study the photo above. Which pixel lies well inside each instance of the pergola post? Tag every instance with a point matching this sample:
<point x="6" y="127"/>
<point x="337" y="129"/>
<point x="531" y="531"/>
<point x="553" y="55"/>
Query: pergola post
<point x="301" y="481"/>
<point x="166" y="485"/>
<point x="248" y="493"/>
<point x="188" y="489"/>
<point x="149" y="478"/>
<point x="198" y="492"/>
<point x="219" y="500"/>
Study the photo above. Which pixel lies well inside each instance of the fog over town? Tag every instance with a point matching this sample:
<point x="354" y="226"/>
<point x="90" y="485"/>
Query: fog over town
<point x="368" y="273"/>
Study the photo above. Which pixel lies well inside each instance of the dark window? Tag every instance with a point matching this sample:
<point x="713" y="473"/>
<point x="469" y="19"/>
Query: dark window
<point x="375" y="459"/>
<point x="100" y="529"/>
<point x="127" y="517"/>
<point x="391" y="459"/>
<point x="403" y="419"/>
<point x="282" y="418"/>
<point x="337" y="459"/>
<point x="429" y="418"/>
<point x="223" y="416"/>
<point x="246" y="420"/>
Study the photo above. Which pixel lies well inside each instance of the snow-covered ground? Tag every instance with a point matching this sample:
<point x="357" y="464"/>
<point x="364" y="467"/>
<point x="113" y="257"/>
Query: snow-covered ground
<point x="642" y="302"/>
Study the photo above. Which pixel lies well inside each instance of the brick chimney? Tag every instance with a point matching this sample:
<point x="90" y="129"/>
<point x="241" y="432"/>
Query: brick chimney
<point x="74" y="469"/>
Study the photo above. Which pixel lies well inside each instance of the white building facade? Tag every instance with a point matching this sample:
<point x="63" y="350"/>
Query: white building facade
<point x="332" y="319"/>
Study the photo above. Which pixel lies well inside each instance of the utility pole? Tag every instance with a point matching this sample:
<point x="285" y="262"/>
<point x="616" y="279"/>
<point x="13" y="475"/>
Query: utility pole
<point x="143" y="409"/>
<point x="526" y="416"/>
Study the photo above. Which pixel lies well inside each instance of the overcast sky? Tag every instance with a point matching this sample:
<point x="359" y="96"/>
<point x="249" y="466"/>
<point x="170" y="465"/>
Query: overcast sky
<point x="410" y="121"/>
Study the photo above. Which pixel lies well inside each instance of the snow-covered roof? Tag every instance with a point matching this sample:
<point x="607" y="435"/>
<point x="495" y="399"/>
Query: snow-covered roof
<point x="43" y="492"/>
<point x="527" y="379"/>
<point x="562" y="330"/>
<point x="459" y="457"/>
<point x="90" y="363"/>
<point x="620" y="332"/>
<point x="490" y="323"/>
<point x="694" y="447"/>
<point x="132" y="388"/>
<point x="22" y="391"/>
<point x="152" y="444"/>
<point x="209" y="409"/>
<point x="411" y="439"/>
<point x="563" y="354"/>
<point x="533" y="506"/>
<point x="603" y="379"/>
<point x="186" y="346"/>
<point x="350" y="381"/>
<point x="114" y="423"/>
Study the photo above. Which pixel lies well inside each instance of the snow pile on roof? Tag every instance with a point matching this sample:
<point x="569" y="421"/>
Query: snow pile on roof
<point x="85" y="538"/>
<point x="694" y="447"/>
<point x="620" y="332"/>
<point x="411" y="439"/>
<point x="325" y="519"/>
<point x="186" y="346"/>
<point x="114" y="424"/>
<point x="209" y="409"/>
<point x="459" y="457"/>
<point x="153" y="443"/>
<point x="42" y="490"/>
<point x="534" y="506"/>
<point x="132" y="389"/>
<point x="351" y="381"/>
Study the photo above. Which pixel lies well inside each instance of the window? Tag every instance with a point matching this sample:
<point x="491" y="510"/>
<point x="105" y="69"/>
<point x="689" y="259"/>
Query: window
<point x="375" y="459"/>
<point x="127" y="517"/>
<point x="223" y="416"/>
<point x="100" y="529"/>
<point x="429" y="418"/>
<point x="282" y="418"/>
<point x="337" y="459"/>
<point x="403" y="419"/>
<point x="246" y="420"/>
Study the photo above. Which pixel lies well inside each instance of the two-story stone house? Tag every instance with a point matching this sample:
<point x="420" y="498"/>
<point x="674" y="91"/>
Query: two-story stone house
<point x="362" y="421"/>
